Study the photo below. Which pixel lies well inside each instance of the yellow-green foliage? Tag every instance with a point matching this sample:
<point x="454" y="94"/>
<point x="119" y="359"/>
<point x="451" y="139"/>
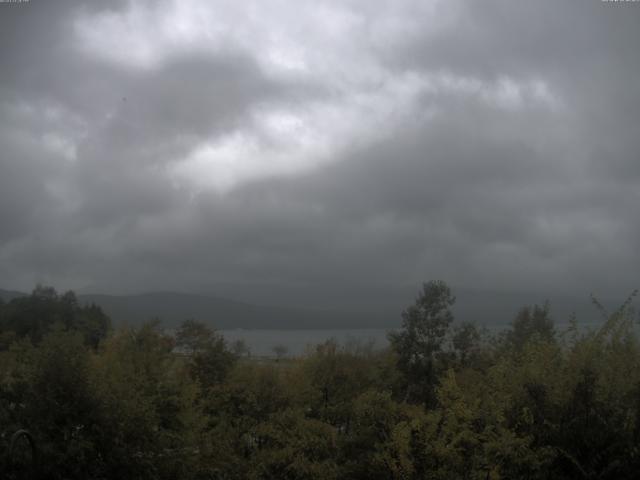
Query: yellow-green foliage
<point x="532" y="403"/>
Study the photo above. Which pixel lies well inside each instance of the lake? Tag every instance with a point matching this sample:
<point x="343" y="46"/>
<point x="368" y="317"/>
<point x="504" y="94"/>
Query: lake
<point x="261" y="342"/>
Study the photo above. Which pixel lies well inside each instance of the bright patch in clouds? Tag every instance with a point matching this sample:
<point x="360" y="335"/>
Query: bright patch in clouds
<point x="346" y="139"/>
<point x="331" y="44"/>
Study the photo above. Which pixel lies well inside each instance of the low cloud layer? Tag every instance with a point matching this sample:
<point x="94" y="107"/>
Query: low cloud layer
<point x="322" y="153"/>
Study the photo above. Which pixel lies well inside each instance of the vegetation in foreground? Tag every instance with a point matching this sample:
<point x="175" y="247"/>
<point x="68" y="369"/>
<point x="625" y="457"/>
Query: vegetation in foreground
<point x="444" y="401"/>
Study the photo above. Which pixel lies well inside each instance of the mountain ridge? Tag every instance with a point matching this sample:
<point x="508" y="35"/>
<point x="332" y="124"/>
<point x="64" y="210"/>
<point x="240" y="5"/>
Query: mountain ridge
<point x="171" y="308"/>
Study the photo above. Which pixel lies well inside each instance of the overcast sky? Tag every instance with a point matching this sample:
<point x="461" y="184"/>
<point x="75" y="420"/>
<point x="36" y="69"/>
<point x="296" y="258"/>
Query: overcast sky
<point x="315" y="149"/>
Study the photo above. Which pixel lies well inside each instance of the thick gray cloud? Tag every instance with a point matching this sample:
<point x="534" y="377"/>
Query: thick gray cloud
<point x="323" y="156"/>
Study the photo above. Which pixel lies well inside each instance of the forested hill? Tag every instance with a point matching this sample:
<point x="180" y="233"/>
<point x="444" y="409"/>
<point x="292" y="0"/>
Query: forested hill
<point x="8" y="295"/>
<point x="485" y="308"/>
<point x="172" y="308"/>
<point x="221" y="313"/>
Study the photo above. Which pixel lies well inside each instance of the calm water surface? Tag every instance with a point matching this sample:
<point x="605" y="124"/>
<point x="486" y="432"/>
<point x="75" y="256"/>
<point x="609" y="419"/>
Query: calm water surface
<point x="261" y="342"/>
<point x="297" y="342"/>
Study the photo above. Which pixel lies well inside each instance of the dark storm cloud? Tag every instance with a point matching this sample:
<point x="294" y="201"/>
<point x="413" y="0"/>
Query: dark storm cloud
<point x="492" y="144"/>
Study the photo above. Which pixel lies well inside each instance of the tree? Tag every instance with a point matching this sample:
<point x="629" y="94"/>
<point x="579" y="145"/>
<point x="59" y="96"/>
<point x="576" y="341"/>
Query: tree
<point x="36" y="315"/>
<point x="240" y="348"/>
<point x="378" y="445"/>
<point x="280" y="351"/>
<point x="149" y="420"/>
<point x="193" y="336"/>
<point x="336" y="377"/>
<point x="424" y="328"/>
<point x="294" y="447"/>
<point x="466" y="340"/>
<point x="60" y="406"/>
<point x="209" y="359"/>
<point x="531" y="322"/>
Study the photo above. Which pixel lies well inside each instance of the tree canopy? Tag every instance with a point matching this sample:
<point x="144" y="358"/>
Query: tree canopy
<point x="444" y="400"/>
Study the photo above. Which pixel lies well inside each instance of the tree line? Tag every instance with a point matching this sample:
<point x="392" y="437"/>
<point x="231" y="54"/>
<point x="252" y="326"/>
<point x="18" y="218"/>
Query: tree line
<point x="80" y="399"/>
